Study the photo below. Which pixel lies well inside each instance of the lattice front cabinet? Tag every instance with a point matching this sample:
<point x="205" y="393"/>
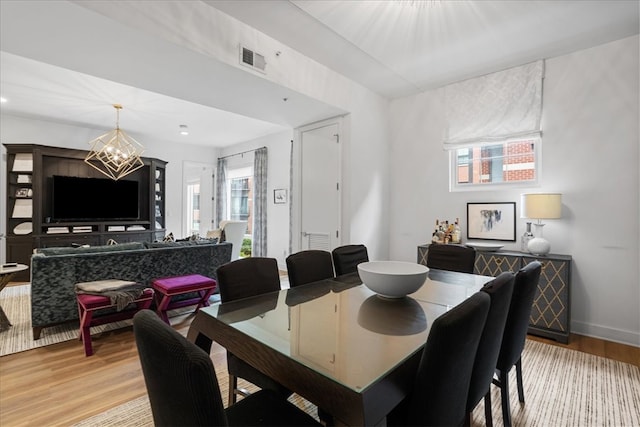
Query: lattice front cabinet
<point x="550" y="314"/>
<point x="551" y="306"/>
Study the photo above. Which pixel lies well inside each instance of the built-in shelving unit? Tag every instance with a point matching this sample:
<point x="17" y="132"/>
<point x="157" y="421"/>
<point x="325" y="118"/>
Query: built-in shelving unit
<point x="30" y="169"/>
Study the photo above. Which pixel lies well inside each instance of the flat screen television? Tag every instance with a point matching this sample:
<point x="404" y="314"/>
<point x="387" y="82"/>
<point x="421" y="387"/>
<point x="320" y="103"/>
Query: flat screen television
<point x="94" y="199"/>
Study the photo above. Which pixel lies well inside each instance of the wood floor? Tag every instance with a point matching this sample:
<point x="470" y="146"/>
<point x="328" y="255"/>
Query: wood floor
<point x="58" y="386"/>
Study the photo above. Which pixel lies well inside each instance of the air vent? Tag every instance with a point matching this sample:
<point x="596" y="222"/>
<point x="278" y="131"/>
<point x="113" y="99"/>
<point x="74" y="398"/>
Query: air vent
<point x="252" y="59"/>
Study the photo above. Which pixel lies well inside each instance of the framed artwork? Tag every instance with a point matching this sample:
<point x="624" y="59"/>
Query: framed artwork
<point x="492" y="221"/>
<point x="280" y="196"/>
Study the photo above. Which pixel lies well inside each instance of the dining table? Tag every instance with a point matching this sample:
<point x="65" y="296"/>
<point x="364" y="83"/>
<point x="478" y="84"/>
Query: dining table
<point x="335" y="342"/>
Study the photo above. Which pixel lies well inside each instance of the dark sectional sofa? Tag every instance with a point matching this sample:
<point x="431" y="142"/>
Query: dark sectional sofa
<point x="55" y="271"/>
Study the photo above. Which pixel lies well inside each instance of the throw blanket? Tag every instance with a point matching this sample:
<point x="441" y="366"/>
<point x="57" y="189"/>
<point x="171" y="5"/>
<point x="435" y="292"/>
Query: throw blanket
<point x="120" y="292"/>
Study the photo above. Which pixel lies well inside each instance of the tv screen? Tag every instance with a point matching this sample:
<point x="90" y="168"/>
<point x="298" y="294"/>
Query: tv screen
<point x="94" y="199"/>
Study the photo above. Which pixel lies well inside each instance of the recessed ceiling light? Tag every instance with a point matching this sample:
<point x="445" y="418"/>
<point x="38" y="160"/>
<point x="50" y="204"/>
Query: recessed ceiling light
<point x="184" y="130"/>
<point x="3" y="99"/>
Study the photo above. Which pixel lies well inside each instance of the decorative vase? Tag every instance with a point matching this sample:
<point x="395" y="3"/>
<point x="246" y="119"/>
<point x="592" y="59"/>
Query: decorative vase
<point x="539" y="246"/>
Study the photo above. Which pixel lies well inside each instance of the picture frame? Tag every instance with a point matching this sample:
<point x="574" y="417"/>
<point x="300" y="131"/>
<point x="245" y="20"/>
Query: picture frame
<point x="280" y="196"/>
<point x="491" y="221"/>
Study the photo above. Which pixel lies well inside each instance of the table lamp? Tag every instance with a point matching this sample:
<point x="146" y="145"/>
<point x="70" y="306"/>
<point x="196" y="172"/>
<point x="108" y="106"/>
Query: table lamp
<point x="540" y="206"/>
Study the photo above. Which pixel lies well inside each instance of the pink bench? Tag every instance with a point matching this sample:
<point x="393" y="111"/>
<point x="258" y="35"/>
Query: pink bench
<point x="89" y="304"/>
<point x="169" y="287"/>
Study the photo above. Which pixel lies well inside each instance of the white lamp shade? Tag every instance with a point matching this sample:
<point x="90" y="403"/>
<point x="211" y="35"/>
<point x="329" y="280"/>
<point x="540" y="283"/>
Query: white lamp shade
<point x="541" y="206"/>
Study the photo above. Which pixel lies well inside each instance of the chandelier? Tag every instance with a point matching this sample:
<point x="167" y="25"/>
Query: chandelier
<point x="115" y="153"/>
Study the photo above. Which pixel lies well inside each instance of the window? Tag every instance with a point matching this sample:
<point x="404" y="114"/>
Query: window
<point x="193" y="213"/>
<point x="239" y="199"/>
<point x="240" y="195"/>
<point x="484" y="165"/>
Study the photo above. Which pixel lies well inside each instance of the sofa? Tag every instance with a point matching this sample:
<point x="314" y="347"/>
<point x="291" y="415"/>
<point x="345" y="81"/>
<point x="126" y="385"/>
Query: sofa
<point x="55" y="271"/>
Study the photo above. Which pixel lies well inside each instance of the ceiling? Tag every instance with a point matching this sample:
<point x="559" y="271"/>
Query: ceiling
<point x="396" y="48"/>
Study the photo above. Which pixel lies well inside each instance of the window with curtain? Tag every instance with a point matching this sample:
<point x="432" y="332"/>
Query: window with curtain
<point x="493" y="131"/>
<point x="242" y="196"/>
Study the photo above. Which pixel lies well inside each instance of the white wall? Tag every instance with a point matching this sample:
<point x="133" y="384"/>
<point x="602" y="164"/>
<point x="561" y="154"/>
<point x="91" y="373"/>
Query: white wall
<point x="210" y="32"/>
<point x="590" y="153"/>
<point x="15" y="129"/>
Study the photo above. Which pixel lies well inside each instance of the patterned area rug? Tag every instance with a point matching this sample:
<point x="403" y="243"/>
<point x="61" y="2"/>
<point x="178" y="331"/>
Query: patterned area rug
<point x="562" y="388"/>
<point x="15" y="301"/>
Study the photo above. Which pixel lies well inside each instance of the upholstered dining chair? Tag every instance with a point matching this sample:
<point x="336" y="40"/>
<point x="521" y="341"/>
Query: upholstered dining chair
<point x="451" y="257"/>
<point x="243" y="278"/>
<point x="346" y="258"/>
<point x="309" y="266"/>
<point x="439" y="396"/>
<point x="500" y="290"/>
<point x="515" y="334"/>
<point x="183" y="388"/>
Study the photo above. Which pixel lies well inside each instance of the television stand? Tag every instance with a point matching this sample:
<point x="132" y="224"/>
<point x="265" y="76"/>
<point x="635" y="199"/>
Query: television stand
<point x="30" y="172"/>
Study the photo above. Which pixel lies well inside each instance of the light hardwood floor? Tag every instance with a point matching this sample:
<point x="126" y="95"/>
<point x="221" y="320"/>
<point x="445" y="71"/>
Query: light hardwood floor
<point x="57" y="385"/>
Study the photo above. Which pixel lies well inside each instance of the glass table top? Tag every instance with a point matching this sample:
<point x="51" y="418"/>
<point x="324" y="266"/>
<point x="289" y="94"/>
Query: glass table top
<point x="343" y="330"/>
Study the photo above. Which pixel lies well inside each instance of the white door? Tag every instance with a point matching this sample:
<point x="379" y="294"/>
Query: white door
<point x="320" y="187"/>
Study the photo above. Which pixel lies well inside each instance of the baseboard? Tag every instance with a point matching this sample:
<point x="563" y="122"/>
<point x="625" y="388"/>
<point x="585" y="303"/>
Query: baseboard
<point x="605" y="333"/>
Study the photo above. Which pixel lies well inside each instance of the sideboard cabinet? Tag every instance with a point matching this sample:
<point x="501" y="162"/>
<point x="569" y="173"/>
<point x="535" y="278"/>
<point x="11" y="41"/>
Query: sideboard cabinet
<point x="550" y="314"/>
<point x="30" y="171"/>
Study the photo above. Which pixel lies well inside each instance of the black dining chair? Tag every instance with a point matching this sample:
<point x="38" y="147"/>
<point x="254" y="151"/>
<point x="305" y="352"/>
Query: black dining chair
<point x="451" y="257"/>
<point x="309" y="266"/>
<point x="346" y="258"/>
<point x="243" y="278"/>
<point x="439" y="396"/>
<point x="515" y="334"/>
<point x="500" y="290"/>
<point x="305" y="267"/>
<point x="183" y="388"/>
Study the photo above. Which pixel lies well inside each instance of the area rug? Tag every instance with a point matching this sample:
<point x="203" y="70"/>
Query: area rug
<point x="137" y="412"/>
<point x="562" y="388"/>
<point x="16" y="303"/>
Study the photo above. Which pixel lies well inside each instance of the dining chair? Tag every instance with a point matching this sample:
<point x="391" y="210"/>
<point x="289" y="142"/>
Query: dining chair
<point x="346" y="258"/>
<point x="309" y="266"/>
<point x="451" y="257"/>
<point x="515" y="334"/>
<point x="183" y="388"/>
<point x="243" y="278"/>
<point x="439" y="395"/>
<point x="500" y="291"/>
<point x="305" y="267"/>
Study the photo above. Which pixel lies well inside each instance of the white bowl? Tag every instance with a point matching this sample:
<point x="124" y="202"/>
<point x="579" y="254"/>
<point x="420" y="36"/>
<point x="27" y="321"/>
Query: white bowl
<point x="392" y="279"/>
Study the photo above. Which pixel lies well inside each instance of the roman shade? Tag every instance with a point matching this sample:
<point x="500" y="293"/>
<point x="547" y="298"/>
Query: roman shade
<point x="495" y="107"/>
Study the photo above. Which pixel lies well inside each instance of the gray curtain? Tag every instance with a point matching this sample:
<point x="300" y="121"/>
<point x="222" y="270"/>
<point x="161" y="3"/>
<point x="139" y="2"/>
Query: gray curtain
<point x="259" y="244"/>
<point x="221" y="191"/>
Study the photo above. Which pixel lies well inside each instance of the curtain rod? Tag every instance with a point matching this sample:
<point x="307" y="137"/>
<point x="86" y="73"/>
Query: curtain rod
<point x="241" y="153"/>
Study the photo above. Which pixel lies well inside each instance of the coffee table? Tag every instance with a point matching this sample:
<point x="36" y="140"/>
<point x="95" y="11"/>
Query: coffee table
<point x="6" y="274"/>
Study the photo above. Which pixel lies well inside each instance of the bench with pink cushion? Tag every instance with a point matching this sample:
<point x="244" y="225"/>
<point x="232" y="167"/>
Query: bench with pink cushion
<point x="88" y="305"/>
<point x="168" y="287"/>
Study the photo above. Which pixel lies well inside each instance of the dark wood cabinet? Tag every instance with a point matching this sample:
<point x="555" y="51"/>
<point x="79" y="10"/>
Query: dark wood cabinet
<point x="550" y="314"/>
<point x="30" y="170"/>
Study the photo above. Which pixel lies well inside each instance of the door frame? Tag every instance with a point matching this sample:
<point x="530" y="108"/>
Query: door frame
<point x="295" y="237"/>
